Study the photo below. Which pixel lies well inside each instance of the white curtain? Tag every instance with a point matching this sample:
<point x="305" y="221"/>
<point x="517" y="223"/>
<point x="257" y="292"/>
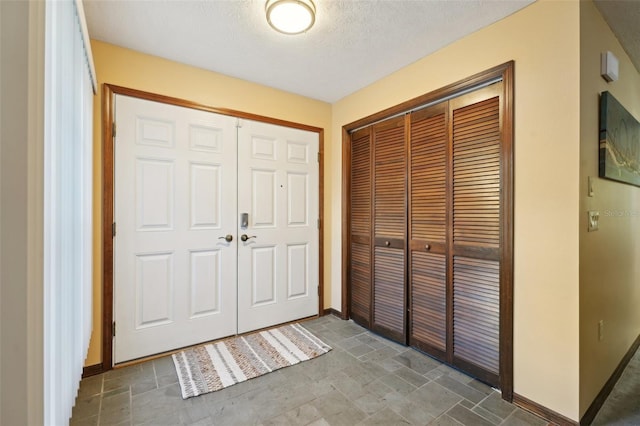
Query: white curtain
<point x="70" y="85"/>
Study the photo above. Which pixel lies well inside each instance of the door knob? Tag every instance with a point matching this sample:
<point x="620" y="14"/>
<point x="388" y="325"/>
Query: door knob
<point x="228" y="238"/>
<point x="245" y="237"/>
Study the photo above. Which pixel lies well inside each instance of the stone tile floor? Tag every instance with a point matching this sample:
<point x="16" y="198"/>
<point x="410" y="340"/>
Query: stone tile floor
<point x="364" y="380"/>
<point x="622" y="407"/>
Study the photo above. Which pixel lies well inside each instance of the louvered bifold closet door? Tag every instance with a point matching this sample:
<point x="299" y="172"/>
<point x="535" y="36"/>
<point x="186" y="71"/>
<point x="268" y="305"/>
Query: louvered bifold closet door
<point x="476" y="225"/>
<point x="360" y="264"/>
<point x="428" y="230"/>
<point x="389" y="304"/>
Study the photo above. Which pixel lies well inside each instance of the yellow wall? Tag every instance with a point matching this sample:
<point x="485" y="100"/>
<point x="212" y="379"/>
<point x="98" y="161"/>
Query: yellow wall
<point x="543" y="39"/>
<point x="123" y="67"/>
<point x="610" y="257"/>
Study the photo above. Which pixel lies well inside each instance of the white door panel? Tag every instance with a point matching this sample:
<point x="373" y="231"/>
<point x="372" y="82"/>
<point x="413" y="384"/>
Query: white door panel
<point x="182" y="179"/>
<point x="278" y="188"/>
<point x="175" y="186"/>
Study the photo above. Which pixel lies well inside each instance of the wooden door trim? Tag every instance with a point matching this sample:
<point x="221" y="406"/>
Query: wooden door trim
<point x="346" y="225"/>
<point x="506" y="264"/>
<point x="108" y="119"/>
<point x="505" y="72"/>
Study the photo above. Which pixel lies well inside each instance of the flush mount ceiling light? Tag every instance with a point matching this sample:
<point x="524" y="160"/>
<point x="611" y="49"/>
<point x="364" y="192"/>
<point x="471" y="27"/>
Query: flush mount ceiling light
<point x="290" y="16"/>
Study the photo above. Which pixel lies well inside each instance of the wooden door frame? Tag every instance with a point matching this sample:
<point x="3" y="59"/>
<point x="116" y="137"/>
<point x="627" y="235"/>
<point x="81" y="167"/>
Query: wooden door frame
<point x="108" y="119"/>
<point x="504" y="72"/>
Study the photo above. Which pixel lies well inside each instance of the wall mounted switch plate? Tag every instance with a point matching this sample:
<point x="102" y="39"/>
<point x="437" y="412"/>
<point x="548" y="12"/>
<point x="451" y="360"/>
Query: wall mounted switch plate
<point x="594" y="217"/>
<point x="590" y="191"/>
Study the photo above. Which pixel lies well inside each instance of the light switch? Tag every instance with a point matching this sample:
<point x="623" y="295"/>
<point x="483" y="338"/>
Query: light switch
<point x="590" y="191"/>
<point x="594" y="217"/>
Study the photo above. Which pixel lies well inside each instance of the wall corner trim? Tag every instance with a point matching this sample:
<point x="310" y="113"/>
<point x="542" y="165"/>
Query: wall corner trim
<point x="92" y="370"/>
<point x="331" y="311"/>
<point x="541" y="411"/>
<point x="599" y="400"/>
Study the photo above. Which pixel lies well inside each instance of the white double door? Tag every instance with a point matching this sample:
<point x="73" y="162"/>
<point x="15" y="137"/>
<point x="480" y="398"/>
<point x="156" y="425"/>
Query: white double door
<point x="189" y="185"/>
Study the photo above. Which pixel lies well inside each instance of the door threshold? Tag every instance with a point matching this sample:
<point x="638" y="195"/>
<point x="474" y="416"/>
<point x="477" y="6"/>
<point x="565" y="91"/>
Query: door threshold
<point x="175" y="351"/>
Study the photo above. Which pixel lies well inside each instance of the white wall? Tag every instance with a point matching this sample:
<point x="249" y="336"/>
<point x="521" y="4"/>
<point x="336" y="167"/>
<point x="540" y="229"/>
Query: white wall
<point x="21" y="124"/>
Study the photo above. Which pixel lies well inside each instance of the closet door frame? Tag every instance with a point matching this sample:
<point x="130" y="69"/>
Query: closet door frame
<point x="505" y="73"/>
<point x="108" y="128"/>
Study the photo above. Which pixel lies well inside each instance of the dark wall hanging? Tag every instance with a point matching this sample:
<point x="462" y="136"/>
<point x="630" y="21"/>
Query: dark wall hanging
<point x="619" y="142"/>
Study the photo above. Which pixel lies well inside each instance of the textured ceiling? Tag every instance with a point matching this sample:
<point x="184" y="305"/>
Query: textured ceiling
<point x="623" y="16"/>
<point x="353" y="43"/>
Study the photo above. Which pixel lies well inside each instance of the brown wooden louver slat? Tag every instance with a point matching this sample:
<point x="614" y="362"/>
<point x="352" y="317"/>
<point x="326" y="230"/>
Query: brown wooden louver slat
<point x="476" y="175"/>
<point x="389" y="178"/>
<point x="428" y="302"/>
<point x="388" y="305"/>
<point x="360" y="267"/>
<point x="389" y="228"/>
<point x="476" y="308"/>
<point x="428" y="177"/>
<point x="361" y="185"/>
<point x="476" y="225"/>
<point x="361" y="282"/>
<point x="428" y="229"/>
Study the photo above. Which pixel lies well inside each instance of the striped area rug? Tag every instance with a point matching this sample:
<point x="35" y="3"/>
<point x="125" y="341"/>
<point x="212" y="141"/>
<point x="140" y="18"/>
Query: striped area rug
<point x="215" y="366"/>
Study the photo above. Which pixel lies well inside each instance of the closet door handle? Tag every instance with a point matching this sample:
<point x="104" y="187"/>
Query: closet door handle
<point x="387" y="243"/>
<point x="228" y="238"/>
<point x="245" y="237"/>
<point x="427" y="247"/>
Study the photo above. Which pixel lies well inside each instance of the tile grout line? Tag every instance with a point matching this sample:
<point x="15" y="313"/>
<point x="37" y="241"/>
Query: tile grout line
<point x="100" y="404"/>
<point x="155" y="374"/>
<point x="452" y="418"/>
<point x="488" y="411"/>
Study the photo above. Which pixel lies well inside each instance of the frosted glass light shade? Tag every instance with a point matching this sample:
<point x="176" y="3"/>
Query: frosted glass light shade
<point x="290" y="16"/>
